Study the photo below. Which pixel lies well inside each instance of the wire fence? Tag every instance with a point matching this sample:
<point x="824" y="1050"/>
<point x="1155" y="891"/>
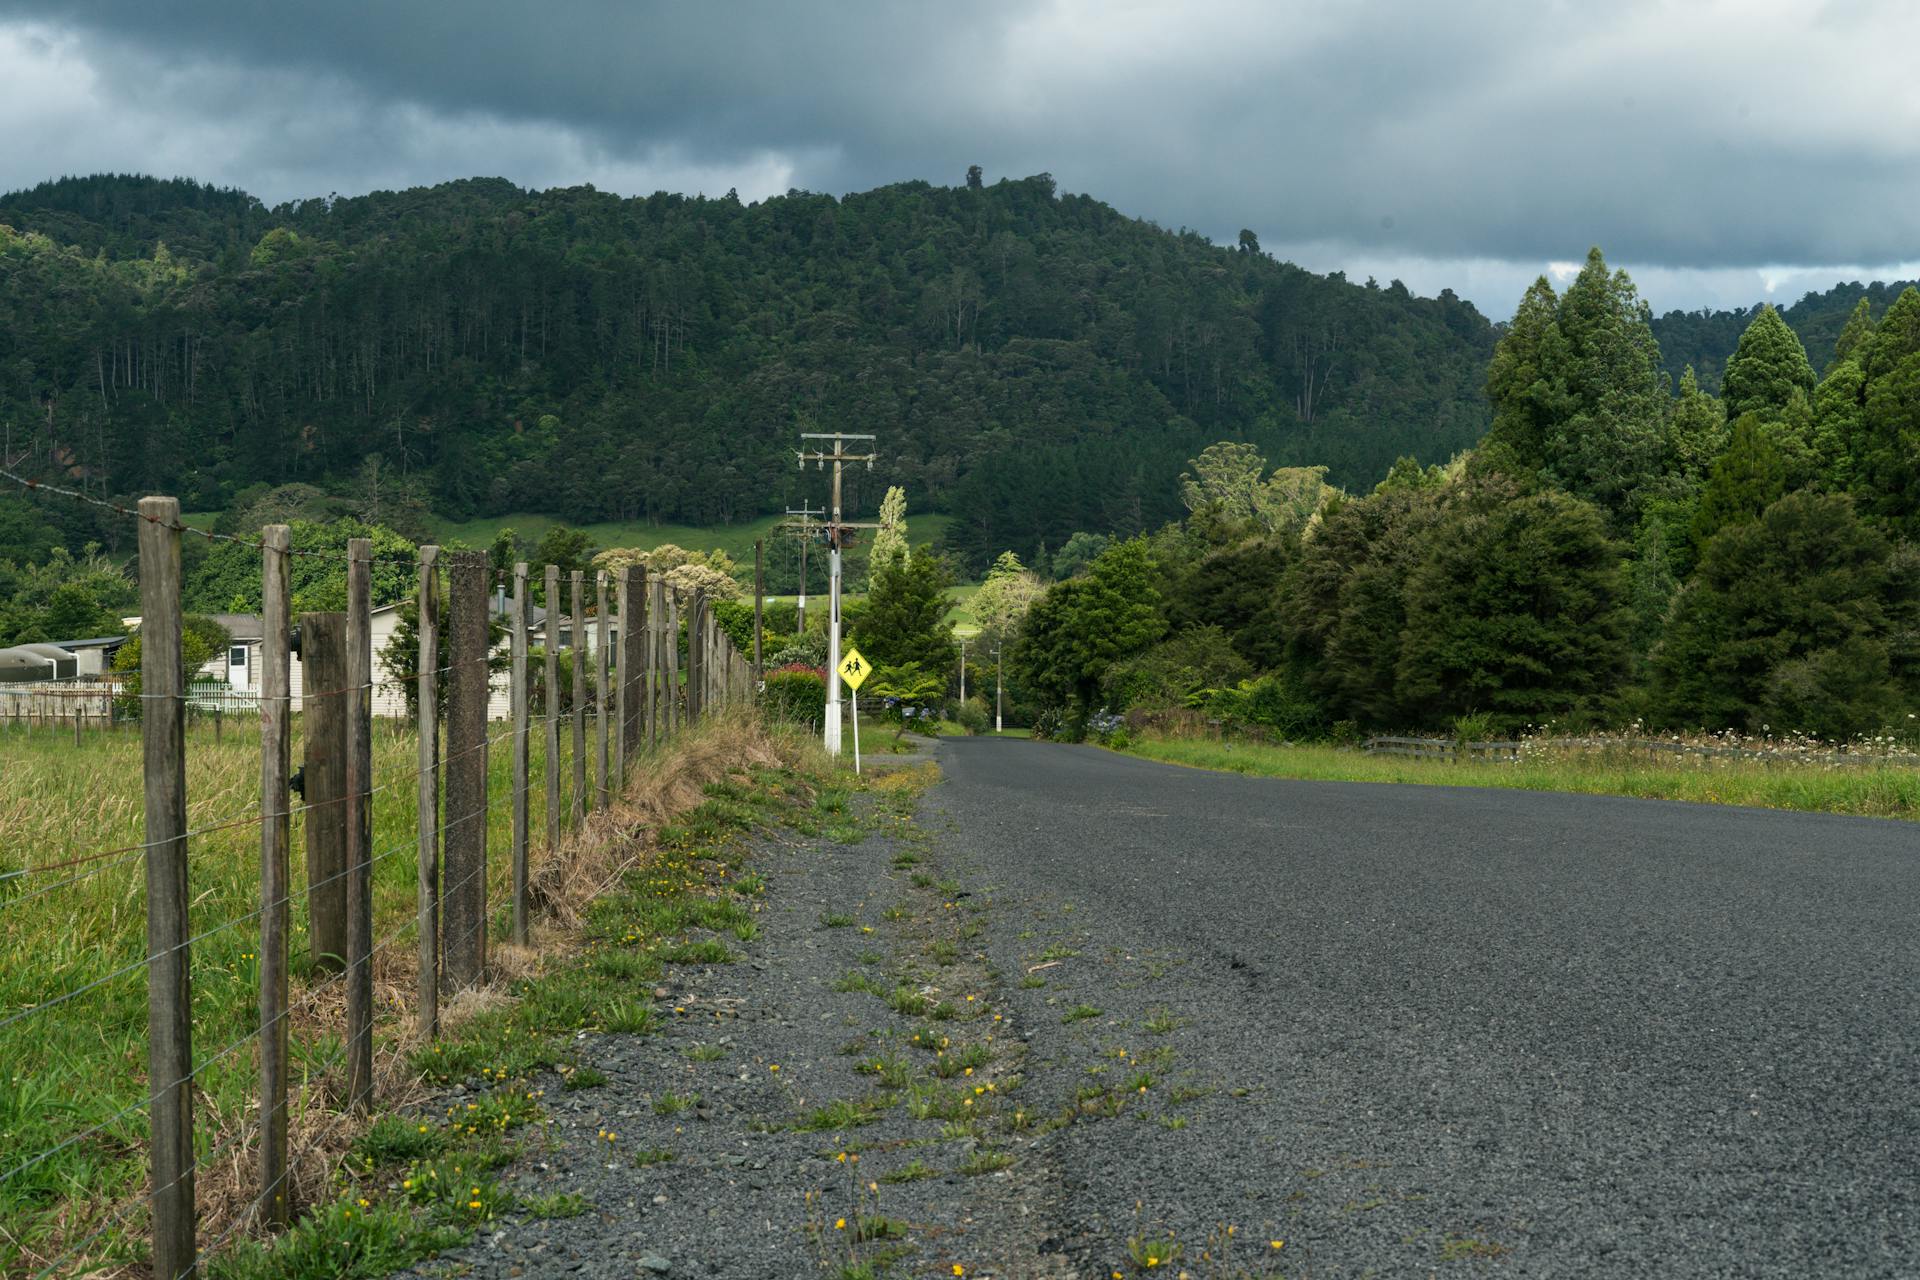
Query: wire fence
<point x="256" y="859"/>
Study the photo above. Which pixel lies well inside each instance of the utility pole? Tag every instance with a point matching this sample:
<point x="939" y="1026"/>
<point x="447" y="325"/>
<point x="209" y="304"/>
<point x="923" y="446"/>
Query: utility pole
<point x="997" y="726"/>
<point x="837" y="538"/>
<point x="963" y="668"/>
<point x="803" y="531"/>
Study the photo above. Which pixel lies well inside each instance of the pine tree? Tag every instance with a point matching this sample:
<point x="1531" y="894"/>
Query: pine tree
<point x="1697" y="431"/>
<point x="1608" y="446"/>
<point x="1524" y="382"/>
<point x="1766" y="368"/>
<point x="1748" y="478"/>
<point x="1858" y="329"/>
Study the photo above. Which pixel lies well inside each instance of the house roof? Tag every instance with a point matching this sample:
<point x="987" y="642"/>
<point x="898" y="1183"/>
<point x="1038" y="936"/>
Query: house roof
<point x="94" y="642"/>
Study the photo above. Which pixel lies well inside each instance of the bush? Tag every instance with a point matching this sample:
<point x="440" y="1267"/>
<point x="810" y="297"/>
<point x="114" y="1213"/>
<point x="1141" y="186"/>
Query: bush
<point x="201" y="641"/>
<point x="1278" y="703"/>
<point x="796" y="693"/>
<point x="972" y="715"/>
<point x="1173" y="670"/>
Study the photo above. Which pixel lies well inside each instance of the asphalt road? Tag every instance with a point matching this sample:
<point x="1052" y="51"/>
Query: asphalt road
<point x="1423" y="1030"/>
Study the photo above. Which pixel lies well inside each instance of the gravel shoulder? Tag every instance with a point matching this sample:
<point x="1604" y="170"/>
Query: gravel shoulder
<point x="786" y="1107"/>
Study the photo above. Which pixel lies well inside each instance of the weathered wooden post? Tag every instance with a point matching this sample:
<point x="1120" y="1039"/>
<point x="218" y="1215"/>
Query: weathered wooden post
<point x="520" y="734"/>
<point x="359" y="707"/>
<point x="602" y="637"/>
<point x="464" y="945"/>
<point x="323" y="662"/>
<point x="577" y="581"/>
<point x="655" y="612"/>
<point x="675" y="712"/>
<point x="553" y="705"/>
<point x="696" y="656"/>
<point x="275" y="840"/>
<point x="428" y="712"/>
<point x="169" y="967"/>
<point x="634" y="717"/>
<point x="622" y="676"/>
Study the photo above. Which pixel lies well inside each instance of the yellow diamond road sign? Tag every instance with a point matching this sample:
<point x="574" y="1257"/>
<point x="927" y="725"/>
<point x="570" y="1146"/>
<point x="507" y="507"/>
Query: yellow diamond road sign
<point x="854" y="669"/>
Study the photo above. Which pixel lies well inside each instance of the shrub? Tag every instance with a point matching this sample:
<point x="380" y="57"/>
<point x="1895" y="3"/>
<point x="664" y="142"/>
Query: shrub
<point x="1173" y="670"/>
<point x="972" y="715"/>
<point x="1277" y="702"/>
<point x="796" y="693"/>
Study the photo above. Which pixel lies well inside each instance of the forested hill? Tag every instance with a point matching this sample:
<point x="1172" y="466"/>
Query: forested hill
<point x="1034" y="363"/>
<point x="1704" y="339"/>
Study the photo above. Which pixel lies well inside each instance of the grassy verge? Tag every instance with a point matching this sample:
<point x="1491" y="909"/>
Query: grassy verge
<point x="1890" y="791"/>
<point x="74" y="1077"/>
<point x="422" y="1179"/>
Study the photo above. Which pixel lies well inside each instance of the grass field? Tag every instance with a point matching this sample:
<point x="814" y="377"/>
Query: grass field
<point x="735" y="539"/>
<point x="75" y="1073"/>
<point x="1886" y="791"/>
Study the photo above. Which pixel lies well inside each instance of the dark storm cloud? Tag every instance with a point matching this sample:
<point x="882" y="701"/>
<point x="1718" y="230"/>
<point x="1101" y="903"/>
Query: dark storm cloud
<point x="1699" y="137"/>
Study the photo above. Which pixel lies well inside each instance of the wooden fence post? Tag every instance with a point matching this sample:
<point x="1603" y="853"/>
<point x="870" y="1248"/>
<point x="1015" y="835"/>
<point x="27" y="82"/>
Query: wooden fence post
<point x="655" y="612"/>
<point x="520" y="732"/>
<point x="428" y="711"/>
<point x="670" y="663"/>
<point x="696" y="656"/>
<point x="275" y="837"/>
<point x="169" y="967"/>
<point x="759" y="615"/>
<point x="633" y="660"/>
<point x="602" y="637"/>
<point x="359" y="824"/>
<point x="323" y="662"/>
<point x="553" y="705"/>
<point x="465" y="942"/>
<point x="577" y="581"/>
<point x="622" y="677"/>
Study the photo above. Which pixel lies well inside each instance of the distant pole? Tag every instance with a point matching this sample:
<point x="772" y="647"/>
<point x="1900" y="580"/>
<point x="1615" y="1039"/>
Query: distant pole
<point x="963" y="668"/>
<point x="998" y="700"/>
<point x="518" y="696"/>
<point x="275" y="835"/>
<point x="579" y="647"/>
<point x="759" y="611"/>
<point x="428" y="710"/>
<point x="169" y="967"/>
<point x="359" y="708"/>
<point x="837" y="531"/>
<point x="602" y="637"/>
<point x="552" y="707"/>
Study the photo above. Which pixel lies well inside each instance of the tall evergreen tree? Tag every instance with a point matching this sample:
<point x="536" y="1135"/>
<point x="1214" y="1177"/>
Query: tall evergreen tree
<point x="1696" y="433"/>
<point x="1766" y="368"/>
<point x="1608" y="445"/>
<point x="1525" y="382"/>
<point x="1748" y="478"/>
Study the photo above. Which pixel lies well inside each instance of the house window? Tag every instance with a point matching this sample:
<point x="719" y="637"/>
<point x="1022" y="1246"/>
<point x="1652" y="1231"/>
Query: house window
<point x="237" y="656"/>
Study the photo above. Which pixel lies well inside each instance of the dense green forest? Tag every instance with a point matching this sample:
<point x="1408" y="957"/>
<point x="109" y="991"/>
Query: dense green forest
<point x="1704" y="339"/>
<point x="1610" y="554"/>
<point x="1033" y="362"/>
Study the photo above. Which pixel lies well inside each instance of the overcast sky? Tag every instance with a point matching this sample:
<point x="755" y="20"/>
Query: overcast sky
<point x="1722" y="152"/>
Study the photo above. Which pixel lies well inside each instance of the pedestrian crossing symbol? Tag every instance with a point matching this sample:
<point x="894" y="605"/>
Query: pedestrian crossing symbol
<point x="854" y="669"/>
